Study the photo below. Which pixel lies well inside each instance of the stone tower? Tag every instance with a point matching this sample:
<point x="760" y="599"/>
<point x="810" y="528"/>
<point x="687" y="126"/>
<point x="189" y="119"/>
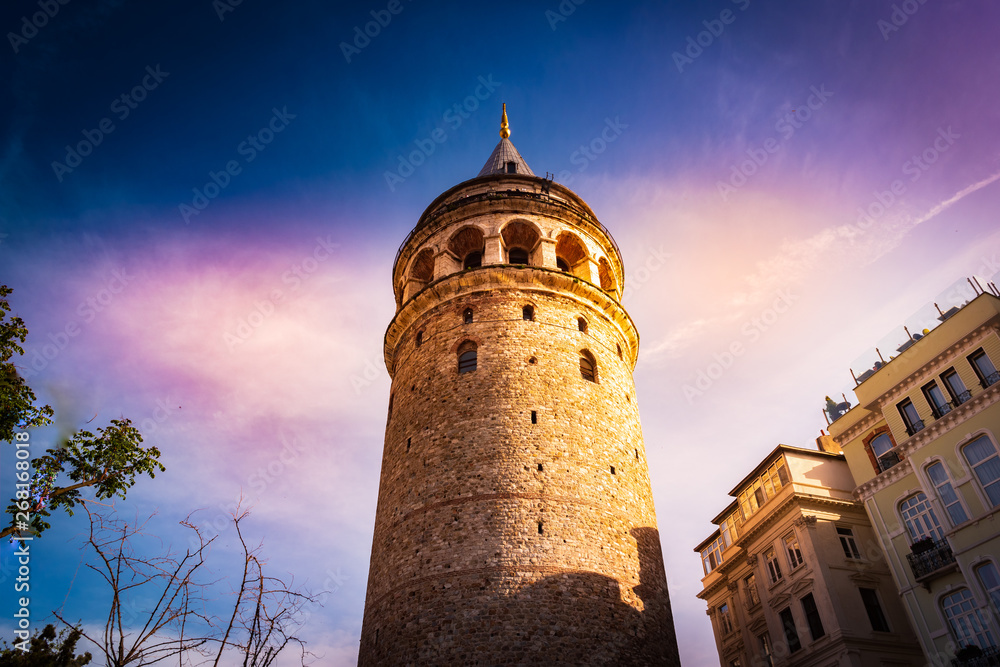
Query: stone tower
<point x="515" y="520"/>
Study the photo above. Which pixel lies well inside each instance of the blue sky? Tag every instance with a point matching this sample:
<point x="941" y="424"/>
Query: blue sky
<point x="738" y="176"/>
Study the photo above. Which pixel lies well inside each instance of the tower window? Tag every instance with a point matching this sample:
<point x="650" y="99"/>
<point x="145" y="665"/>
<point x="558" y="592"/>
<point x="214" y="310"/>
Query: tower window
<point x="534" y="417"/>
<point x="539" y="467"/>
<point x="420" y="338"/>
<point x="539" y="527"/>
<point x="408" y="443"/>
<point x="562" y="265"/>
<point x="612" y="470"/>
<point x="581" y="323"/>
<point x="588" y="368"/>
<point x="467" y="316"/>
<point x="528" y="313"/>
<point x="472" y="260"/>
<point x="620" y="356"/>
<point x="466" y="357"/>
<point x="512" y="167"/>
<point x="517" y="256"/>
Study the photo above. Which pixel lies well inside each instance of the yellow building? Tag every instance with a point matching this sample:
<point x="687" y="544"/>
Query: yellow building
<point x="922" y="448"/>
<point x="788" y="579"/>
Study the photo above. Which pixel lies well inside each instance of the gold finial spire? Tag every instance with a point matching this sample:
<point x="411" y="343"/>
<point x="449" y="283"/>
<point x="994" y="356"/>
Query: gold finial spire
<point x="504" y="125"/>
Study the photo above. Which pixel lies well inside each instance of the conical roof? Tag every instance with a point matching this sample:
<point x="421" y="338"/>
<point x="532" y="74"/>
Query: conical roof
<point x="505" y="159"/>
<point x="501" y="158"/>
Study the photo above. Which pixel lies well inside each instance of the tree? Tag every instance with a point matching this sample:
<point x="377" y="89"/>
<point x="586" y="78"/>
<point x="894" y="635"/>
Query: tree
<point x="109" y="461"/>
<point x="260" y="625"/>
<point x="46" y="649"/>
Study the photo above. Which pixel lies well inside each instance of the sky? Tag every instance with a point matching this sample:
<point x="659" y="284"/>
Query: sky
<point x="200" y="204"/>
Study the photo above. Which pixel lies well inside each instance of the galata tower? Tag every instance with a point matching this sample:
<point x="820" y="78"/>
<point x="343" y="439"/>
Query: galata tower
<point x="515" y="520"/>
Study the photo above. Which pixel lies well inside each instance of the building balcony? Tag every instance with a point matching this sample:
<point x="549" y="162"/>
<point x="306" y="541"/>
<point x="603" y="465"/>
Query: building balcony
<point x="973" y="656"/>
<point x="991" y="379"/>
<point x="888" y="460"/>
<point x="963" y="397"/>
<point x="930" y="559"/>
<point x="915" y="427"/>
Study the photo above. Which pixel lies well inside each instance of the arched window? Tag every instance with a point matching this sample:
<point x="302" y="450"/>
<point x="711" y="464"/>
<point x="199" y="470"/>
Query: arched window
<point x="528" y="313"/>
<point x="420" y="338"/>
<point x="968" y="627"/>
<point x="982" y="457"/>
<point x="562" y="265"/>
<point x="882" y="446"/>
<point x="581" y="324"/>
<point x="467" y="316"/>
<point x="466" y="357"/>
<point x="569" y="250"/>
<point x="918" y="515"/>
<point x="606" y="276"/>
<point x="939" y="478"/>
<point x="588" y="366"/>
<point x="472" y="260"/>
<point x="990" y="579"/>
<point x="517" y="256"/>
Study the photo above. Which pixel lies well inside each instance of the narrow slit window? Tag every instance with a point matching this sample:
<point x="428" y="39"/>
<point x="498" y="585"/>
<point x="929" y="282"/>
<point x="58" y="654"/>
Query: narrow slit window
<point x="420" y="338"/>
<point x="581" y="324"/>
<point x="620" y="355"/>
<point x="612" y="470"/>
<point x="539" y="527"/>
<point x="467" y="316"/>
<point x="408" y="440"/>
<point x="588" y="369"/>
<point x="534" y="417"/>
<point x="528" y="313"/>
<point x="467" y="357"/>
<point x="637" y="454"/>
<point x="539" y="467"/>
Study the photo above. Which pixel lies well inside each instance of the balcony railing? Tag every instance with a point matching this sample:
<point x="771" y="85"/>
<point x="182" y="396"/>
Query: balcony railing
<point x="963" y="397"/>
<point x="888" y="460"/>
<point x="991" y="379"/>
<point x="929" y="557"/>
<point x="940" y="410"/>
<point x="972" y="656"/>
<point x="915" y="427"/>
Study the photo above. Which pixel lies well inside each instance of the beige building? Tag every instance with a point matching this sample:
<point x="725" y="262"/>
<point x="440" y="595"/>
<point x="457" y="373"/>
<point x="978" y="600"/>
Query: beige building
<point x="922" y="448"/>
<point x="515" y="520"/>
<point x="790" y="573"/>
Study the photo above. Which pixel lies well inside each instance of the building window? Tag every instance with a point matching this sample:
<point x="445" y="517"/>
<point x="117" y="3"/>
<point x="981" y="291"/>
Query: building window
<point x="982" y="456"/>
<point x="761" y="489"/>
<point x="467" y="357"/>
<point x="812" y="617"/>
<point x="588" y="367"/>
<point x="467" y="316"/>
<point x="793" y="551"/>
<point x="965" y="619"/>
<point x="955" y="386"/>
<point x="935" y="398"/>
<point x="517" y="256"/>
<point x="581" y="324"/>
<point x="512" y="167"/>
<point x="910" y="417"/>
<point x="750" y="589"/>
<point x="725" y="620"/>
<point x="773" y="567"/>
<point x="939" y="478"/>
<point x="847" y="542"/>
<point x="985" y="370"/>
<point x="919" y="518"/>
<point x="875" y="616"/>
<point x="735" y="662"/>
<point x="990" y="580"/>
<point x="528" y="313"/>
<point x="791" y="634"/>
<point x="562" y="265"/>
<point x="764" y="641"/>
<point x="711" y="556"/>
<point x="472" y="260"/>
<point x="883" y="449"/>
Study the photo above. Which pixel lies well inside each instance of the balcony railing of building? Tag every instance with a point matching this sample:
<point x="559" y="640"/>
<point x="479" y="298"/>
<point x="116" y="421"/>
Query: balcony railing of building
<point x="973" y="656"/>
<point x="963" y="397"/>
<point x="888" y="460"/>
<point x="930" y="558"/>
<point x="915" y="427"/>
<point x="991" y="379"/>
